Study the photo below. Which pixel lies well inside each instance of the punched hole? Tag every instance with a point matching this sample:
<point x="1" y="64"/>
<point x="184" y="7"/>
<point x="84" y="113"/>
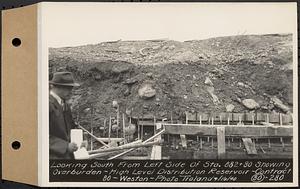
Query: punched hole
<point x="16" y="42"/>
<point x="16" y="145"/>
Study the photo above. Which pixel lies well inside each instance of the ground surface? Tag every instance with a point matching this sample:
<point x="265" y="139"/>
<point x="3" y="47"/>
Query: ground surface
<point x="199" y="75"/>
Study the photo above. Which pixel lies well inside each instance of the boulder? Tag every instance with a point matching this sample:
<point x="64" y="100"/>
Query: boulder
<point x="279" y="104"/>
<point x="250" y="104"/>
<point x="146" y="91"/>
<point x="230" y="108"/>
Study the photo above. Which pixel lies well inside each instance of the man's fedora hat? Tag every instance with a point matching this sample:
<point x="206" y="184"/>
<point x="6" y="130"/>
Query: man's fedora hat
<point x="63" y="79"/>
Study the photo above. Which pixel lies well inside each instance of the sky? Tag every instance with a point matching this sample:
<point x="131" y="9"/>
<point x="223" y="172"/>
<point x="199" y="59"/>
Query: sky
<point x="74" y="24"/>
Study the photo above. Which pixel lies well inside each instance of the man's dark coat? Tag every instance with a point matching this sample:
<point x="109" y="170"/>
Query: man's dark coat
<point x="60" y="125"/>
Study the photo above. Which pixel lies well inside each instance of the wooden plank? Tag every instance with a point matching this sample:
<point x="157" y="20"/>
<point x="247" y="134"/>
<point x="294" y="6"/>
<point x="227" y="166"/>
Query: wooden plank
<point x="286" y="119"/>
<point x="221" y="142"/>
<point x="111" y="139"/>
<point x="204" y="116"/>
<point x="238" y="117"/>
<point x="216" y="117"/>
<point x="129" y="150"/>
<point x="231" y="130"/>
<point x="227" y="116"/>
<point x="183" y="141"/>
<point x="249" y="117"/>
<point x="156" y="151"/>
<point x="191" y="116"/>
<point x="260" y="117"/>
<point x="274" y="118"/>
<point x="249" y="145"/>
<point x="146" y="123"/>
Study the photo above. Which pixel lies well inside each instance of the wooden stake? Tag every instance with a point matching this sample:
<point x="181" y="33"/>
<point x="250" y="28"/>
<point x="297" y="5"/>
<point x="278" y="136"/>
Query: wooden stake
<point x="280" y="119"/>
<point x="109" y="127"/>
<point x="142" y="128"/>
<point x="154" y="129"/>
<point x="201" y="145"/>
<point x="200" y="120"/>
<point x="138" y="127"/>
<point x="282" y="142"/>
<point x="92" y="135"/>
<point x="91" y="144"/>
<point x="186" y="118"/>
<point x="118" y="121"/>
<point x="123" y="124"/>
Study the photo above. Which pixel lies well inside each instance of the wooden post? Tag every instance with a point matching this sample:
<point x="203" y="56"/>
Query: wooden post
<point x="109" y="128"/>
<point x="228" y="121"/>
<point x="183" y="141"/>
<point x="282" y="142"/>
<point x="91" y="144"/>
<point x="104" y="125"/>
<point x="142" y="127"/>
<point x="252" y="119"/>
<point x="138" y="127"/>
<point x="267" y="118"/>
<point x="212" y="143"/>
<point x="118" y="120"/>
<point x="186" y="118"/>
<point x="280" y="119"/>
<point x="212" y="120"/>
<point x="221" y="119"/>
<point x="154" y="128"/>
<point x="269" y="143"/>
<point x="123" y="124"/>
<point x="221" y="142"/>
<point x="201" y="145"/>
<point x="200" y="118"/>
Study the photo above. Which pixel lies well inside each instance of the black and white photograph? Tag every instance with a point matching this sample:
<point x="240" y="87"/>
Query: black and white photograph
<point x="176" y="83"/>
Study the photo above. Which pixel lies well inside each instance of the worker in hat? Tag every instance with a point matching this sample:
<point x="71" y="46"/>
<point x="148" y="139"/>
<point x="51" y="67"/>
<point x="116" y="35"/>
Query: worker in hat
<point x="60" y="116"/>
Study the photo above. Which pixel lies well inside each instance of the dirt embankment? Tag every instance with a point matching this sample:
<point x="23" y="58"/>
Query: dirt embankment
<point x="164" y="77"/>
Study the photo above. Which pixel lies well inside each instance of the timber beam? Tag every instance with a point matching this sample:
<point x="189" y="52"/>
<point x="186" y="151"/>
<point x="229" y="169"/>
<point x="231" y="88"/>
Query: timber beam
<point x="230" y="130"/>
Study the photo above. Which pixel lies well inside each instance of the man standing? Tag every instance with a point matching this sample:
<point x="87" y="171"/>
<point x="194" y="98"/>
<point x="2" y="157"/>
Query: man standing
<point x="60" y="117"/>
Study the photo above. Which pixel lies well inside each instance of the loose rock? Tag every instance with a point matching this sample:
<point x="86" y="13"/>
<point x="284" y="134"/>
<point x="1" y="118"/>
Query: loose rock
<point x="250" y="104"/>
<point x="146" y="91"/>
<point x="230" y="108"/>
<point x="279" y="104"/>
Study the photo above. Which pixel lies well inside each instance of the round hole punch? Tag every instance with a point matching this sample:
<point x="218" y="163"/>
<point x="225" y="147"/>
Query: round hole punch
<point x="16" y="145"/>
<point x="16" y="42"/>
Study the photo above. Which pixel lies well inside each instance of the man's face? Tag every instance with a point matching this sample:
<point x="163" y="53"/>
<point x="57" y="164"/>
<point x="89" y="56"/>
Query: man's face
<point x="65" y="92"/>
